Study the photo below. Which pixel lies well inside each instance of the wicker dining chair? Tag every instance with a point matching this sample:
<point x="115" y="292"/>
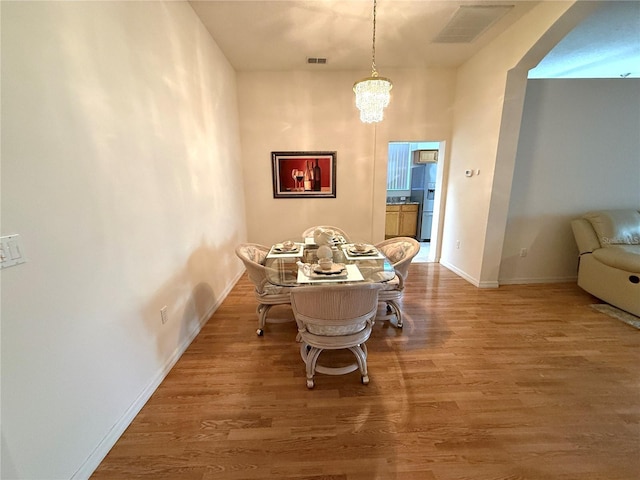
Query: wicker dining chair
<point x="400" y="251"/>
<point x="338" y="231"/>
<point x="334" y="317"/>
<point x="267" y="294"/>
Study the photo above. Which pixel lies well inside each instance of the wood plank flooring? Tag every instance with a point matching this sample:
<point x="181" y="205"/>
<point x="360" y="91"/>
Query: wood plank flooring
<point x="519" y="382"/>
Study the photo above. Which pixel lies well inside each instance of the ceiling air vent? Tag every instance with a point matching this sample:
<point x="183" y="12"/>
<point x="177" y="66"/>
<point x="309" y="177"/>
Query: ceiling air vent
<point x="469" y="22"/>
<point x="316" y="60"/>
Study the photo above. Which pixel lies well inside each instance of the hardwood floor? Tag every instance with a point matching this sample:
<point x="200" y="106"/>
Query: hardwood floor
<point x="519" y="382"/>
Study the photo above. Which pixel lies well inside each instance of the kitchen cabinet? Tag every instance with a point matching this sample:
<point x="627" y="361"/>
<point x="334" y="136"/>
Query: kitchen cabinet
<point x="392" y="221"/>
<point x="401" y="220"/>
<point x="408" y="222"/>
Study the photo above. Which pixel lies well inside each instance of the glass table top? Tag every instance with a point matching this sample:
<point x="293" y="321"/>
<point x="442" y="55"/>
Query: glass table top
<point x="283" y="270"/>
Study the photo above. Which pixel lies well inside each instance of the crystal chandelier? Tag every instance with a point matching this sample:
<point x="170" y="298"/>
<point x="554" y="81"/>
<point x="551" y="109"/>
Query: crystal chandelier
<point x="372" y="93"/>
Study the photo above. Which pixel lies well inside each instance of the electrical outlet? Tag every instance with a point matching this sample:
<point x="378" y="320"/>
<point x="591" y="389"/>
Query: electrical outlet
<point x="523" y="252"/>
<point x="164" y="315"/>
<point x="458" y="244"/>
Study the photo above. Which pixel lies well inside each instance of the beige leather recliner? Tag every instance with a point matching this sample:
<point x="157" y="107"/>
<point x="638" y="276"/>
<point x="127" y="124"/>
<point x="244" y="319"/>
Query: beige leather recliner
<point x="609" y="264"/>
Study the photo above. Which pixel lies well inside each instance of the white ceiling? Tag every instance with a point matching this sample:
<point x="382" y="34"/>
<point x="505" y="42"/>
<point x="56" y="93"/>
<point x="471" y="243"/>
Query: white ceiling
<point x="605" y="45"/>
<point x="280" y="35"/>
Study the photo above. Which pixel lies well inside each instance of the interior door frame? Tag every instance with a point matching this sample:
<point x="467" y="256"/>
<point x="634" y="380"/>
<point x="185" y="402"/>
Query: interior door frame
<point x="439" y="204"/>
<point x="439" y="198"/>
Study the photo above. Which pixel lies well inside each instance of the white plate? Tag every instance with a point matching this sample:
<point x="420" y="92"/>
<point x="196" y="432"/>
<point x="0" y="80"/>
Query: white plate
<point x="335" y="269"/>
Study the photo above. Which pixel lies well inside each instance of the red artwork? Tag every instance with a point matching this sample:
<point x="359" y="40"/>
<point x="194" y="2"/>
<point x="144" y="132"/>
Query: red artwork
<point x="304" y="174"/>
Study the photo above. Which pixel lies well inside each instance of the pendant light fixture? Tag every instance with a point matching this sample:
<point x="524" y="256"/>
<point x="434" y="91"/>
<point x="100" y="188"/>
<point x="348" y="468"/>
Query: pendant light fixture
<point x="372" y="93"/>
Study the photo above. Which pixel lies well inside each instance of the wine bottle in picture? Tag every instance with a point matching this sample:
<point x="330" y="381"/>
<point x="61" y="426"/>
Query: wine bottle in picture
<point x="308" y="176"/>
<point x="317" y="180"/>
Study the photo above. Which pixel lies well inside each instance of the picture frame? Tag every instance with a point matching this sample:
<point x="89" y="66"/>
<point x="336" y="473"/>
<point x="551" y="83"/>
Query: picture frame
<point x="316" y="178"/>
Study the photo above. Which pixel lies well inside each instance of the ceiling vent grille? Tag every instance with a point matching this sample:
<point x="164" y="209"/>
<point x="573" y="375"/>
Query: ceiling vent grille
<point x="469" y="22"/>
<point x="316" y="60"/>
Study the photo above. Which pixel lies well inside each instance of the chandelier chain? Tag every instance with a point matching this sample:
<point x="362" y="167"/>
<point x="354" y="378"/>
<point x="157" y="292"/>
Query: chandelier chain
<point x="374" y="72"/>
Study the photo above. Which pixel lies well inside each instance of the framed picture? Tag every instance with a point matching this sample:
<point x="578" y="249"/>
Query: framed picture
<point x="304" y="174"/>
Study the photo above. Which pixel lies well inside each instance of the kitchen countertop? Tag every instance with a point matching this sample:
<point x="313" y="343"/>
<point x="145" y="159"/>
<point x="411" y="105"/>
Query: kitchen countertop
<point x="403" y="203"/>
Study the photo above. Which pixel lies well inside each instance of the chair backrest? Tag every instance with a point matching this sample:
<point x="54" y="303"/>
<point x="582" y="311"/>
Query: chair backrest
<point x="338" y="231"/>
<point x="253" y="256"/>
<point x="334" y="310"/>
<point x="400" y="251"/>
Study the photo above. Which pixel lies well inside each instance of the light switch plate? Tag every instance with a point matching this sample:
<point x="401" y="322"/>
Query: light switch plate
<point x="11" y="251"/>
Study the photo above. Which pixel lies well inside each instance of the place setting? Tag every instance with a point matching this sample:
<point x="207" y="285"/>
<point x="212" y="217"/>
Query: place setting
<point x="286" y="249"/>
<point x="355" y="251"/>
<point x="326" y="270"/>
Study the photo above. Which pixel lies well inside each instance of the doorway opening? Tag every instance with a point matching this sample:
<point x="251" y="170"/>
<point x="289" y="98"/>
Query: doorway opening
<point x="414" y="179"/>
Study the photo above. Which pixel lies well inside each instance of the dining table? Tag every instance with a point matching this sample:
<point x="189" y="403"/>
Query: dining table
<point x="295" y="264"/>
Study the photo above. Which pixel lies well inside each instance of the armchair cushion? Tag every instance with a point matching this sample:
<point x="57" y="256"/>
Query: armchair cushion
<point x="625" y="257"/>
<point x="271" y="290"/>
<point x="397" y="251"/>
<point x="390" y="285"/>
<point x="254" y="253"/>
<point x="335" y="330"/>
<point x="616" y="227"/>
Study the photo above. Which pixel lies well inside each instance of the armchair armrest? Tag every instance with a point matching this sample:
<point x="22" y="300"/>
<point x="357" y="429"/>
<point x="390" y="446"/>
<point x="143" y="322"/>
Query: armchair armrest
<point x="585" y="236"/>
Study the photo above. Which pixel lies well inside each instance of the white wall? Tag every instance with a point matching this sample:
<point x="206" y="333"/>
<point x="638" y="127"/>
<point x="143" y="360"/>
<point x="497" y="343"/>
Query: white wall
<point x="489" y="96"/>
<point x="579" y="150"/>
<point x="120" y="146"/>
<point x="303" y="111"/>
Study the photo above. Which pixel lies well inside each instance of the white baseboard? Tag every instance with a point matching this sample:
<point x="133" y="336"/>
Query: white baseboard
<point x="110" y="439"/>
<point x="508" y="281"/>
<point x="524" y="281"/>
<point x="469" y="278"/>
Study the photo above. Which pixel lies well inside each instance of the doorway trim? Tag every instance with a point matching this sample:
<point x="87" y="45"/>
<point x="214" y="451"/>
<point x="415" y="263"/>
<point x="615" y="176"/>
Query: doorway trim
<point x="437" y="225"/>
